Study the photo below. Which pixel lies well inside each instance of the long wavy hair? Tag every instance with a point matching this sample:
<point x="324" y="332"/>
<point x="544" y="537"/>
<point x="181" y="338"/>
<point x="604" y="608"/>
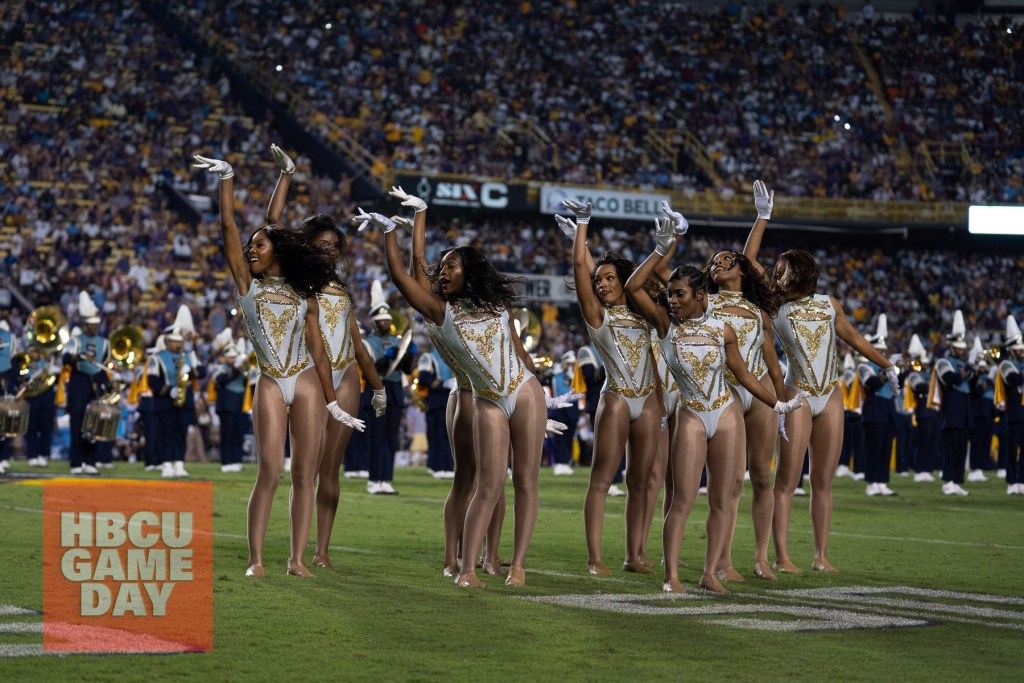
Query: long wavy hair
<point x="483" y="285"/>
<point x="754" y="285"/>
<point x="801" y="275"/>
<point x="305" y="267"/>
<point x="624" y="269"/>
<point x="319" y="223"/>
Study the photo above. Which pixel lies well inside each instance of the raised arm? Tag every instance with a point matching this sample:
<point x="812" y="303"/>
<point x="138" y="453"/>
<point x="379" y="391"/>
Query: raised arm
<point x="228" y="228"/>
<point x="429" y="305"/>
<point x="583" y="265"/>
<point x="764" y="201"/>
<point x="418" y="263"/>
<point x="277" y="199"/>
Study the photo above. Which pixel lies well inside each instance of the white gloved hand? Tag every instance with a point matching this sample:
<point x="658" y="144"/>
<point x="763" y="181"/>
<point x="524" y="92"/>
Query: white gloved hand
<point x="678" y="222"/>
<point x="892" y="374"/>
<point x="782" y="428"/>
<point x="563" y="401"/>
<point x="283" y="162"/>
<point x="763" y="200"/>
<point x="213" y="166"/>
<point x="362" y="219"/>
<point x="407" y="199"/>
<point x="379" y="402"/>
<point x="582" y="211"/>
<point x="175" y="393"/>
<point x="787" y="407"/>
<point x="554" y="428"/>
<point x="664" y="235"/>
<point x="406" y="224"/>
<point x="568" y="226"/>
<point x="344" y="418"/>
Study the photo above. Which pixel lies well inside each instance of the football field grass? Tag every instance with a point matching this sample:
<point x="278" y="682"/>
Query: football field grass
<point x="930" y="588"/>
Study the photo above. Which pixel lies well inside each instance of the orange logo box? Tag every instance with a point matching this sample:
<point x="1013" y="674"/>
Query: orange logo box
<point x="127" y="566"/>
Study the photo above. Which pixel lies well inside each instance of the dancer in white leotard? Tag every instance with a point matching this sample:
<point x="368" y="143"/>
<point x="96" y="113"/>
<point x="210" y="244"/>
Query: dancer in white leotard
<point x="807" y="326"/>
<point x="278" y="275"/>
<point x="345" y="350"/>
<point x="629" y="412"/>
<point x="470" y="311"/>
<point x="709" y="429"/>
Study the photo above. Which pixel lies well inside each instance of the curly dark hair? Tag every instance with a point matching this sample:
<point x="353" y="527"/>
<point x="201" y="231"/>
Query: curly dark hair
<point x="319" y="223"/>
<point x="696" y="279"/>
<point x="306" y="267"/>
<point x="801" y="274"/>
<point x="624" y="269"/>
<point x="754" y="285"/>
<point x="484" y="285"/>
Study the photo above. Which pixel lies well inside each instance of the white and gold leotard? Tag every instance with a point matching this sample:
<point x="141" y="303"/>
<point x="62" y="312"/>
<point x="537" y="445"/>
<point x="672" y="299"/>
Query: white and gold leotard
<point x="806" y="328"/>
<point x="695" y="352"/>
<point x="275" y="318"/>
<point x="461" y="378"/>
<point x="623" y="342"/>
<point x="749" y="331"/>
<point x="479" y="341"/>
<point x="668" y="382"/>
<point x="335" y="329"/>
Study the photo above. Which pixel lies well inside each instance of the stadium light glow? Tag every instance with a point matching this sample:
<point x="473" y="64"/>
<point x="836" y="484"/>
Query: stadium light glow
<point x="846" y="126"/>
<point x="280" y="68"/>
<point x="995" y="220"/>
<point x="836" y="117"/>
<point x="328" y="26"/>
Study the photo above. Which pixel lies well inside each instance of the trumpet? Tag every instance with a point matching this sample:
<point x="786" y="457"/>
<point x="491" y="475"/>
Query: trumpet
<point x="127" y="347"/>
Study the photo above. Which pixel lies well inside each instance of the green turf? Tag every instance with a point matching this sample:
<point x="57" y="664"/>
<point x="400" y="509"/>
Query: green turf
<point x="388" y="614"/>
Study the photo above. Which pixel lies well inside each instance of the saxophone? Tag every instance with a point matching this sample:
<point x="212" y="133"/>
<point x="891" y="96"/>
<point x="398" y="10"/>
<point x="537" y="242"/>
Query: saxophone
<point x="182" y="383"/>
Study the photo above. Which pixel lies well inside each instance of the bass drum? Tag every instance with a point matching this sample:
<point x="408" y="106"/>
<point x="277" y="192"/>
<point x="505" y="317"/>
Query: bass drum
<point x="13" y="416"/>
<point x="100" y="422"/>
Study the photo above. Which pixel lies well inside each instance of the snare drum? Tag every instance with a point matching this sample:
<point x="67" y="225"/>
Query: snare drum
<point x="100" y="422"/>
<point x="13" y="416"/>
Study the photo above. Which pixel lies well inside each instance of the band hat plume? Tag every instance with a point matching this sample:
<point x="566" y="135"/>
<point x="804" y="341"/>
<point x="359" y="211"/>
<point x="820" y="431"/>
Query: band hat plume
<point x="881" y="332"/>
<point x="87" y="309"/>
<point x="848" y="362"/>
<point x="1013" y="334"/>
<point x="958" y="337"/>
<point x="916" y="349"/>
<point x="223" y="339"/>
<point x="183" y="320"/>
<point x="379" y="309"/>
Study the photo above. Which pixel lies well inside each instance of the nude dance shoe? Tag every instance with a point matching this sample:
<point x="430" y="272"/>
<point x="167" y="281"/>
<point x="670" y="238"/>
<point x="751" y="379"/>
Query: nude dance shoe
<point x="468" y="580"/>
<point x="300" y="570"/>
<point x="822" y="565"/>
<point x="711" y="583"/>
<point x="786" y="567"/>
<point x="636" y="566"/>
<point x="322" y="561"/>
<point x="673" y="585"/>
<point x="729" y="574"/>
<point x="516" y="575"/>
<point x="255" y="570"/>
<point x="763" y="570"/>
<point x="598" y="569"/>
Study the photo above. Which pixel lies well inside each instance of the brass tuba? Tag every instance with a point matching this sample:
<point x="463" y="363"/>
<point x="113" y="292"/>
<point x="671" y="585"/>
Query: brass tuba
<point x="127" y="347"/>
<point x="47" y="329"/>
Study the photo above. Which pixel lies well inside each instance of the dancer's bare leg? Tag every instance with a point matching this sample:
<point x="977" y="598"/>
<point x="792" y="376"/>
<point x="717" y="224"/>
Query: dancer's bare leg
<point x="332" y="455"/>
<point x="644" y="435"/>
<point x="656" y="482"/>
<point x="722" y="462"/>
<point x="762" y="435"/>
<point x="826" y="444"/>
<point x="687" y="455"/>
<point x="306" y="422"/>
<point x="791" y="461"/>
<point x="459" y="420"/>
<point x="270" y="422"/>
<point x="527" y="435"/>
<point x="610" y="432"/>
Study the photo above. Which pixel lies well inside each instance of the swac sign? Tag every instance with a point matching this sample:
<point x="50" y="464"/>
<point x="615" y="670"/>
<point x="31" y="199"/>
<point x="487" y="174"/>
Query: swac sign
<point x="465" y="193"/>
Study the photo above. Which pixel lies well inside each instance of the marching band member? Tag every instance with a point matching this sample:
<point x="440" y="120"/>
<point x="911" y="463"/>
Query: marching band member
<point x="927" y="431"/>
<point x="229" y="380"/>
<point x="87" y="354"/>
<point x="1011" y="377"/>
<point x="879" y="416"/>
<point x="953" y="383"/>
<point x="42" y="407"/>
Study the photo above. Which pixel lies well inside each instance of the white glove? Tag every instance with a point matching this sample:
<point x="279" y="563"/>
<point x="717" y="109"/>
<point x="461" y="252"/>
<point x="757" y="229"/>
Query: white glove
<point x="563" y="401"/>
<point x="407" y="199"/>
<point x="405" y="223"/>
<point x="362" y="219"/>
<point x="283" y="162"/>
<point x="344" y="418"/>
<point x="782" y="428"/>
<point x="582" y="211"/>
<point x="664" y="235"/>
<point x="554" y="428"/>
<point x="678" y="222"/>
<point x="892" y="374"/>
<point x="790" y="405"/>
<point x="175" y="392"/>
<point x="379" y="401"/>
<point x="763" y="200"/>
<point x="213" y="166"/>
<point x="567" y="226"/>
<point x="185" y="370"/>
